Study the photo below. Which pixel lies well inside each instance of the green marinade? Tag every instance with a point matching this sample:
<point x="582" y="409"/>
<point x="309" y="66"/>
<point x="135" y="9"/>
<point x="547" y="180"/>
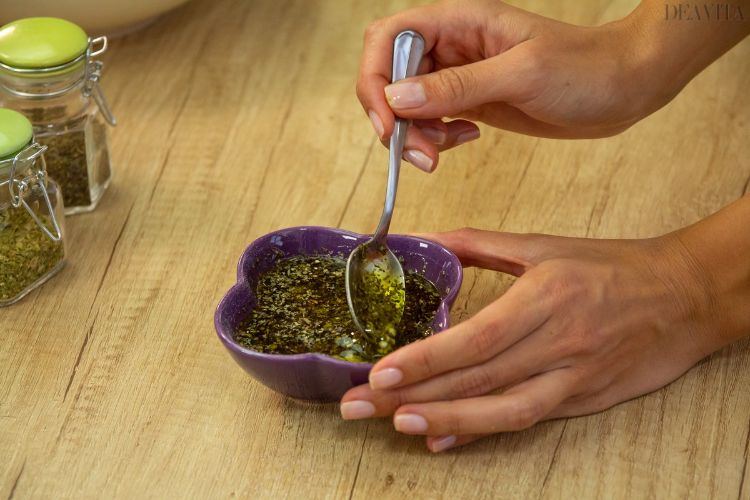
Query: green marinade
<point x="302" y="307"/>
<point x="378" y="297"/>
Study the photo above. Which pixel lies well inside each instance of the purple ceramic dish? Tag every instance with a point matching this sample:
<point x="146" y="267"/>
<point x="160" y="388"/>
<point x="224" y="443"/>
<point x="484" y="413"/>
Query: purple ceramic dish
<point x="314" y="376"/>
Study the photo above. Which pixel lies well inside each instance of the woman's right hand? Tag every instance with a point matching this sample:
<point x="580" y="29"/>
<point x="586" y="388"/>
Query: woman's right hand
<point x="490" y="62"/>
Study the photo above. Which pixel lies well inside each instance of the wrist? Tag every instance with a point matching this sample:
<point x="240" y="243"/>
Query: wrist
<point x="645" y="82"/>
<point x="668" y="44"/>
<point x="656" y="71"/>
<point x="712" y="273"/>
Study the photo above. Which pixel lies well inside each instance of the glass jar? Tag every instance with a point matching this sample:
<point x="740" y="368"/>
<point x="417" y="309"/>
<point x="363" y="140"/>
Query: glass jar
<point x="48" y="72"/>
<point x="32" y="244"/>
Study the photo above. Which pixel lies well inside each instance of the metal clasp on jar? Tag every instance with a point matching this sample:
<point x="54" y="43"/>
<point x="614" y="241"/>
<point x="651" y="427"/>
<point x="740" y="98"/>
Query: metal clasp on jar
<point x="37" y="178"/>
<point x="93" y="74"/>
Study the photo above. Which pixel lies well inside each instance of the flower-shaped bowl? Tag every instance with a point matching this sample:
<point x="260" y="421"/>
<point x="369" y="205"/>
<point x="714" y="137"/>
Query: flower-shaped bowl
<point x="315" y="376"/>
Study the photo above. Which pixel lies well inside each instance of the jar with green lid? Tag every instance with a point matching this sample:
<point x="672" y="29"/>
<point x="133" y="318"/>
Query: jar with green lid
<point x="32" y="246"/>
<point x="49" y="72"/>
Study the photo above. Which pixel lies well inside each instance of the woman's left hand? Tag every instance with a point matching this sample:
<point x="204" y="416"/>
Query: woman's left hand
<point x="588" y="324"/>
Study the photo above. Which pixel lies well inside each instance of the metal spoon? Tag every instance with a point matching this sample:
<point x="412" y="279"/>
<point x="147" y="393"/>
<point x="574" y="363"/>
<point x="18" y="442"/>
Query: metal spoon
<point x="375" y="287"/>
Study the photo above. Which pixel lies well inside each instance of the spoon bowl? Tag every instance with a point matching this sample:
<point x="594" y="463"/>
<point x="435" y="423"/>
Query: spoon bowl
<point x="376" y="289"/>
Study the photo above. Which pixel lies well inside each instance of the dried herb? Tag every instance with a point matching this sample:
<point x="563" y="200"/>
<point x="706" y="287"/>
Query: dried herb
<point x="301" y="307"/>
<point x="66" y="163"/>
<point x="26" y="253"/>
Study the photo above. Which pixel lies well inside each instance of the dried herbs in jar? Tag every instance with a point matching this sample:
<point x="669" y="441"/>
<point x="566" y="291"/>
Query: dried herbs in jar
<point x="27" y="255"/>
<point x="66" y="163"/>
<point x="301" y="307"/>
<point x="50" y="74"/>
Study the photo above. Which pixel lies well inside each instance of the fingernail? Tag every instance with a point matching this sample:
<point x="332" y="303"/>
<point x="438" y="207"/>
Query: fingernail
<point x="442" y="444"/>
<point x="418" y="159"/>
<point x="377" y="123"/>
<point x="405" y="95"/>
<point x="385" y="378"/>
<point x="435" y="135"/>
<point x="354" y="410"/>
<point x="465" y="137"/>
<point x="410" y="423"/>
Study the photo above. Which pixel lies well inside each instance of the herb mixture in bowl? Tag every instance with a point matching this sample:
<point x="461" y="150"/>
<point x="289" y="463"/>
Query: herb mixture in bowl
<point x="301" y="307"/>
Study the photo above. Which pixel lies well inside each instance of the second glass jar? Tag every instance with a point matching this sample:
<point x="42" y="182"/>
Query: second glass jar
<point x="32" y="244"/>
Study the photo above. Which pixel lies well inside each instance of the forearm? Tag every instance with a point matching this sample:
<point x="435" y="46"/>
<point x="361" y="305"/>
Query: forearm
<point x="719" y="248"/>
<point x="672" y="41"/>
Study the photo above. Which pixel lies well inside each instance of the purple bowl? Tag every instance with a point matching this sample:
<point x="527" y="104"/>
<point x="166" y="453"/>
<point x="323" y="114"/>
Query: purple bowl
<point x="315" y="376"/>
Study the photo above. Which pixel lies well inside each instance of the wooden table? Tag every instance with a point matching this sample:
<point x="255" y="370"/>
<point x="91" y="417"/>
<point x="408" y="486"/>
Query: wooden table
<point x="238" y="117"/>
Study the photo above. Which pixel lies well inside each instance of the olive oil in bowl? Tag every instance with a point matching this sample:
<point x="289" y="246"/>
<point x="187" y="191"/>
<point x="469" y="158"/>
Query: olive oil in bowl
<point x="301" y="307"/>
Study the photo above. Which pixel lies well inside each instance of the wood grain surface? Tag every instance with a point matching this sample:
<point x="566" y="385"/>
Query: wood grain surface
<point x="238" y="117"/>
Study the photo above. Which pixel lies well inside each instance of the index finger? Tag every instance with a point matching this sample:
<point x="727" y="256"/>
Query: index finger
<point x="518" y="313"/>
<point x="377" y="56"/>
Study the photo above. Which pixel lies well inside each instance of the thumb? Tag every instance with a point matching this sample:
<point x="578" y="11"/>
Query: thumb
<point x="505" y="252"/>
<point x="452" y="91"/>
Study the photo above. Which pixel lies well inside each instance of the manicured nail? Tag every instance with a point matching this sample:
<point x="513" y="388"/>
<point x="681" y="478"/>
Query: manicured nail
<point x="377" y="123"/>
<point x="405" y="95"/>
<point x="465" y="137"/>
<point x="354" y="410"/>
<point x="385" y="378"/>
<point x="442" y="444"/>
<point x="435" y="135"/>
<point x="410" y="423"/>
<point x="418" y="159"/>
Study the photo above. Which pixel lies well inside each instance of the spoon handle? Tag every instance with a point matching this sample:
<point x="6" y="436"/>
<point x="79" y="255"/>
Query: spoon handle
<point x="408" y="48"/>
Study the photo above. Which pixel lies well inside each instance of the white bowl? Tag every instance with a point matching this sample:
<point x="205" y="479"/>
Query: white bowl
<point x="97" y="17"/>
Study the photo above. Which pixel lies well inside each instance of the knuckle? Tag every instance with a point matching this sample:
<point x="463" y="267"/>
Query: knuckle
<point x="452" y="424"/>
<point x="537" y="60"/>
<point x="524" y="413"/>
<point x="566" y="281"/>
<point x="467" y="232"/>
<point x="475" y="382"/>
<point x="462" y="238"/>
<point x="562" y="283"/>
<point x="482" y="340"/>
<point x="533" y="70"/>
<point x="426" y="362"/>
<point x="544" y="275"/>
<point x="399" y="398"/>
<point x="582" y="376"/>
<point x="360" y="90"/>
<point x="461" y="241"/>
<point x="450" y="84"/>
<point x="588" y="339"/>
<point x="597" y="377"/>
<point x="572" y="344"/>
<point x="374" y="27"/>
<point x="578" y="340"/>
<point x="595" y="404"/>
